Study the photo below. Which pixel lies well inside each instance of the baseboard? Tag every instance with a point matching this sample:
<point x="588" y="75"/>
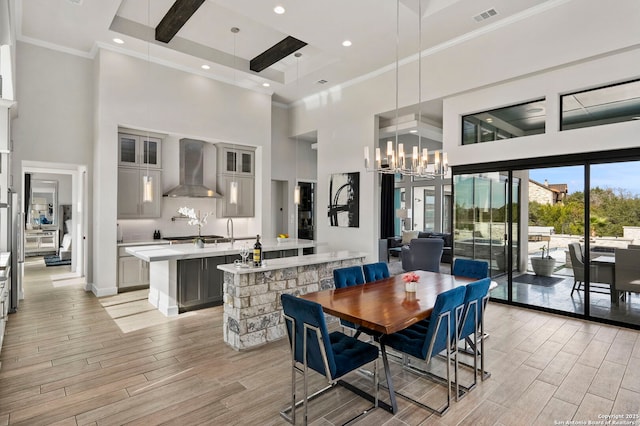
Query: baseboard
<point x="102" y="292"/>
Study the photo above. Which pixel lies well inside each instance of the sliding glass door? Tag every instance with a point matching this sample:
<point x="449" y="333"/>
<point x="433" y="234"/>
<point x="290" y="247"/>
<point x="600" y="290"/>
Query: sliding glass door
<point x="481" y="208"/>
<point x="614" y="241"/>
<point x="563" y="238"/>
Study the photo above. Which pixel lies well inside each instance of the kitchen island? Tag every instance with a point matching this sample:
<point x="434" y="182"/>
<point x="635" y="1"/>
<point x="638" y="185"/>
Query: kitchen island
<point x="252" y="309"/>
<point x="184" y="277"/>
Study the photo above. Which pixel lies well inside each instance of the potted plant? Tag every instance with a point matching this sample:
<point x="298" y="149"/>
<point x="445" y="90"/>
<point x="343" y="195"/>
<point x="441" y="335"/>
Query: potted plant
<point x="195" y="219"/>
<point x="543" y="265"/>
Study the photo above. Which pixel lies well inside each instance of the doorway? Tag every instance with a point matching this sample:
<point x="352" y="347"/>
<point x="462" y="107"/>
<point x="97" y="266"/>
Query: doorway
<point x="306" y="211"/>
<point x="54" y="203"/>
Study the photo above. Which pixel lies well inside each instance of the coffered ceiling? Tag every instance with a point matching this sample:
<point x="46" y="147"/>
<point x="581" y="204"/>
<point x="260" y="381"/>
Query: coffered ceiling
<point x="81" y="26"/>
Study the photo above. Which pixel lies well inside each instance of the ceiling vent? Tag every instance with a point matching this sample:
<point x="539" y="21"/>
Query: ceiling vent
<point x="485" y="15"/>
<point x="78" y="2"/>
<point x="323" y="81"/>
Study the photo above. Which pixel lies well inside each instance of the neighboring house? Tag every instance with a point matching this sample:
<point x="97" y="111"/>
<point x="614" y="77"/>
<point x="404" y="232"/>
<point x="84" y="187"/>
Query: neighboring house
<point x="546" y="193"/>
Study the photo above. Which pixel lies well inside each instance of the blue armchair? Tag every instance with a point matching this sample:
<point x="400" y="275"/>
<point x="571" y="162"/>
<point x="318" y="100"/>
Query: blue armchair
<point x="422" y="254"/>
<point x="312" y="347"/>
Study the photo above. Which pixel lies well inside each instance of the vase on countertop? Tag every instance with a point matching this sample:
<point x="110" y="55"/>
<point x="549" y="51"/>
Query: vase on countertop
<point x="199" y="242"/>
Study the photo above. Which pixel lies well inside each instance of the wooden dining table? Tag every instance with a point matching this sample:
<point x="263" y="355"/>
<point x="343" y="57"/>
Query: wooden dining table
<point x="385" y="307"/>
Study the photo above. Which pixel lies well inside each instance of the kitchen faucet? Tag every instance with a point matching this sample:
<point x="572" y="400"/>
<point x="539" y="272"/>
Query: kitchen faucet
<point x="230" y="235"/>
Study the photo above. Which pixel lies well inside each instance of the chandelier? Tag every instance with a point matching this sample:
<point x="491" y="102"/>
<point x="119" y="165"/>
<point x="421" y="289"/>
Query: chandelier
<point x="396" y="160"/>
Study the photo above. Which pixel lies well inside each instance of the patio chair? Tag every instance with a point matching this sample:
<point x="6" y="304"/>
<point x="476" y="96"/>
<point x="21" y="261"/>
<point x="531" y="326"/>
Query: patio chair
<point x="423" y="254"/>
<point x="426" y="339"/>
<point x="375" y="271"/>
<point x="598" y="273"/>
<point x="331" y="355"/>
<point x="627" y="270"/>
<point x="470" y="268"/>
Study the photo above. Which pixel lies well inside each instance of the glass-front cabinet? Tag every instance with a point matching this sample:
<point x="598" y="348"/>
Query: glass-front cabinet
<point x="237" y="160"/>
<point x="134" y="150"/>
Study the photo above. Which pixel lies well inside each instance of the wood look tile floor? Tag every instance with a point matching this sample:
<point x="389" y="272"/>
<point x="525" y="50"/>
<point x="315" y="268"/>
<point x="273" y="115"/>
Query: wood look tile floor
<point x="72" y="359"/>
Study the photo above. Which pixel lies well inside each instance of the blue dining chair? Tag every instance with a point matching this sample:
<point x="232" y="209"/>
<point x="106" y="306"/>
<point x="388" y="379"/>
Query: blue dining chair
<point x="471" y="325"/>
<point x="375" y="271"/>
<point x="426" y="339"/>
<point x="331" y="355"/>
<point x="347" y="277"/>
<point x="470" y="268"/>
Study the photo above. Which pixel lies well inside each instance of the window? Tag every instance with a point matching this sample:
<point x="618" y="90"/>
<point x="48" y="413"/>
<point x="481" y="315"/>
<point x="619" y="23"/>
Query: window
<point x="604" y="105"/>
<point x="504" y="123"/>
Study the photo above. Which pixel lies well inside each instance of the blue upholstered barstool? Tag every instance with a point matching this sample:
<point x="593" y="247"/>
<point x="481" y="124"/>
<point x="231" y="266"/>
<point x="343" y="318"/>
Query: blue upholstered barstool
<point x="426" y="339"/>
<point x="375" y="271"/>
<point x="470" y="268"/>
<point x="331" y="355"/>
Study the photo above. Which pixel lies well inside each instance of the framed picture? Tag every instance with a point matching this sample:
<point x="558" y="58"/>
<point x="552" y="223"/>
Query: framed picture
<point x="344" y="199"/>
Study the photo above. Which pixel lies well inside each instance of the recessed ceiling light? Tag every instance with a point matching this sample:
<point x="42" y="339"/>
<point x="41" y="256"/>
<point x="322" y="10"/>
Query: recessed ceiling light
<point x="413" y="131"/>
<point x="205" y="67"/>
<point x="118" y="40"/>
<point x="534" y="110"/>
<point x="346" y="43"/>
<point x="266" y="85"/>
<point x="489" y="120"/>
<point x="279" y="10"/>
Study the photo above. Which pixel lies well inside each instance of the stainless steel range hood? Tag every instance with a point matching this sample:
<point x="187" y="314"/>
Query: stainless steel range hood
<point x="191" y="172"/>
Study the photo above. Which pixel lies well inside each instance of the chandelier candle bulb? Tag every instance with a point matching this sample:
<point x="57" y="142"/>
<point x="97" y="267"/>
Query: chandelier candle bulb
<point x="378" y="158"/>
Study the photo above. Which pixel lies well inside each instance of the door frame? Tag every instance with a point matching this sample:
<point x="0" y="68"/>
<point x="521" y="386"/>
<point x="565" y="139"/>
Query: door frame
<point x="79" y="201"/>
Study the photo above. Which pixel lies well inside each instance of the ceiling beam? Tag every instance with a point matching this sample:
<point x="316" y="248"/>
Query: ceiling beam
<point x="175" y="18"/>
<point x="275" y="53"/>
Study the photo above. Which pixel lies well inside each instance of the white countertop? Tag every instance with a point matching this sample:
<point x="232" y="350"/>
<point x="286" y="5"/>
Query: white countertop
<point x="159" y="252"/>
<point x="131" y="243"/>
<point x="295" y="261"/>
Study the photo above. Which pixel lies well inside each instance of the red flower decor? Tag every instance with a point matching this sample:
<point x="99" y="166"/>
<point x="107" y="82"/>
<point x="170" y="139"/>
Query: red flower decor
<point x="410" y="277"/>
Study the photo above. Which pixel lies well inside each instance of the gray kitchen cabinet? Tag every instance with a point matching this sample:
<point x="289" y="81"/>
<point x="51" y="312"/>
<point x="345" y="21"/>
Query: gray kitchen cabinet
<point x="134" y="150"/>
<point x="133" y="273"/>
<point x="246" y="197"/>
<point x="236" y="159"/>
<point x="236" y="163"/>
<point x="130" y="192"/>
<point x="200" y="283"/>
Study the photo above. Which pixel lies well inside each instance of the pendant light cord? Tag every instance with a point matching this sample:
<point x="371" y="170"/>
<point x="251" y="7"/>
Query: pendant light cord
<point x="417" y="161"/>
<point x="397" y="154"/>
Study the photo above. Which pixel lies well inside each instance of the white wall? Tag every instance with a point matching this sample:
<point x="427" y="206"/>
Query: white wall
<point x="55" y="116"/>
<point x="291" y="160"/>
<point x="344" y="117"/>
<point x="138" y="95"/>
